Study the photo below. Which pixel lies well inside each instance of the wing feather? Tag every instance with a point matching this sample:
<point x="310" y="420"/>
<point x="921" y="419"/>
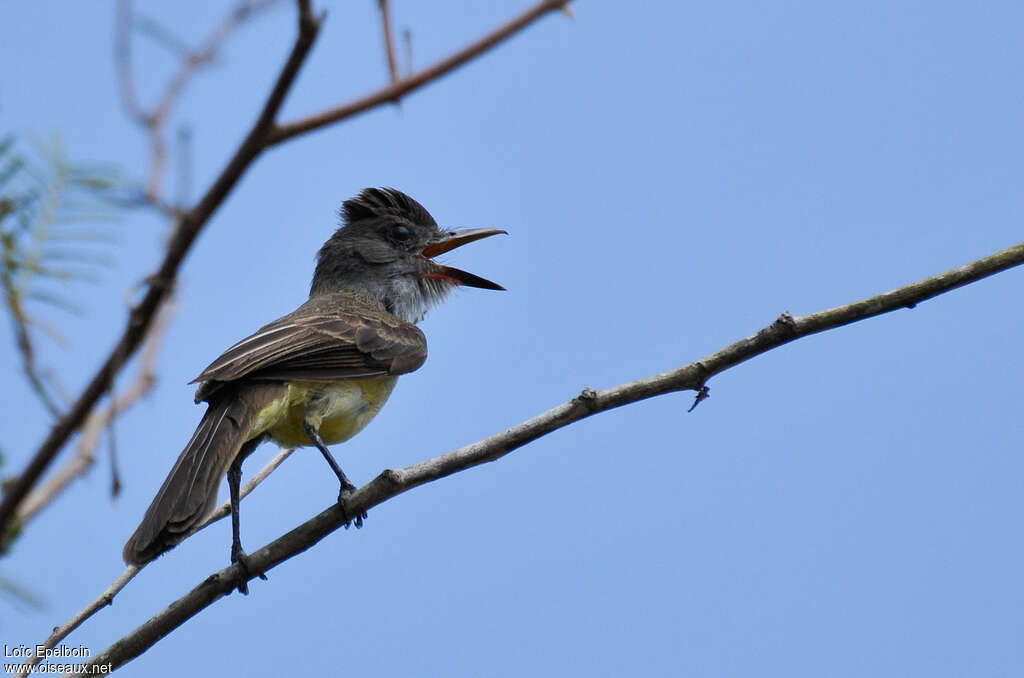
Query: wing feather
<point x="319" y="346"/>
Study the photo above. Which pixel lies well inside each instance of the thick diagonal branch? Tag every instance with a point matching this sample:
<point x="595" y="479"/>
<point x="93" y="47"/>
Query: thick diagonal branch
<point x="391" y="483"/>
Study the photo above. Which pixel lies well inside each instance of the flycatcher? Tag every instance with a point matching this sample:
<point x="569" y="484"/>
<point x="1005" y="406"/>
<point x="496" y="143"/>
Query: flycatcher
<point x="318" y="375"/>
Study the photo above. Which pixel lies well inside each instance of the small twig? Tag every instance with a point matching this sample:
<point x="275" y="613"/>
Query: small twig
<point x="161" y="35"/>
<point x="703" y="393"/>
<point x="107" y="597"/>
<point x="391" y="483"/>
<point x="407" y="42"/>
<point x="19" y="595"/>
<point x="115" y="472"/>
<point x="108" y="427"/>
<point x="389" y="39"/>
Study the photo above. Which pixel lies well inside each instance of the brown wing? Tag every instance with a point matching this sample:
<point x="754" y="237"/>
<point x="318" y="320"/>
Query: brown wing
<point x="329" y="346"/>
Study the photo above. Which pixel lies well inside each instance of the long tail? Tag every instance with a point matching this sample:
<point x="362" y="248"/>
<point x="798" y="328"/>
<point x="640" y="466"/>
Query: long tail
<point x="189" y="493"/>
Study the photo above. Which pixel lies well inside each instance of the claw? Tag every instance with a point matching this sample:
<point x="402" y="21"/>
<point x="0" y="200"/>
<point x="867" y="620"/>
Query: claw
<point x="245" y="572"/>
<point x="346" y="491"/>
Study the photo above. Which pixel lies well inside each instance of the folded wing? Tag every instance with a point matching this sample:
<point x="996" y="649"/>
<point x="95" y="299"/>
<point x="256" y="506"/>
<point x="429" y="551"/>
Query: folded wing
<point x="330" y="346"/>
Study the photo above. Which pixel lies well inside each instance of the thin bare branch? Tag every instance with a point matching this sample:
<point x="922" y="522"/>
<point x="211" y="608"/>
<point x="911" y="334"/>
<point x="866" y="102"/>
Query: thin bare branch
<point x="153" y="192"/>
<point x="407" y="43"/>
<point x="107" y="597"/>
<point x="160" y="35"/>
<point x="20" y="596"/>
<point x="115" y="468"/>
<point x="389" y="38"/>
<point x="395" y="91"/>
<point x="391" y="483"/>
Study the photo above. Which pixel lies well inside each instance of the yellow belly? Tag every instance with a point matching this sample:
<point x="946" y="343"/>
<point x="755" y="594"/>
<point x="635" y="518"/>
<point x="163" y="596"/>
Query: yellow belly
<point x="338" y="411"/>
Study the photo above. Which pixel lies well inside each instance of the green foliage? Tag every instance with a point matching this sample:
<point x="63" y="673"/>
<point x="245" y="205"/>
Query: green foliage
<point x="52" y="236"/>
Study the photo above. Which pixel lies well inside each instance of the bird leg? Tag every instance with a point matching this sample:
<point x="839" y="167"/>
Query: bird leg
<point x="238" y="555"/>
<point x="347" y="487"/>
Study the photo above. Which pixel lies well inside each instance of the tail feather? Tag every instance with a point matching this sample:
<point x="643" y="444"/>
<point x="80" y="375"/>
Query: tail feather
<point x="189" y="493"/>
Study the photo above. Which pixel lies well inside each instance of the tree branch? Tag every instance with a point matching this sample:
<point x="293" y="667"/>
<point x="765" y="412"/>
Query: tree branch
<point x="395" y="91"/>
<point x="391" y="483"/>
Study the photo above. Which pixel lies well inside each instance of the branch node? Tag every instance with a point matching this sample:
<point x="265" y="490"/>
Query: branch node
<point x="785" y="323"/>
<point x="587" y="398"/>
<point x="786" y="318"/>
<point x="390" y="477"/>
<point x="307" y="21"/>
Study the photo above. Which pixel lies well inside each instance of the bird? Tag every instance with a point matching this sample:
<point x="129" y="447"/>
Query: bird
<point x="317" y="376"/>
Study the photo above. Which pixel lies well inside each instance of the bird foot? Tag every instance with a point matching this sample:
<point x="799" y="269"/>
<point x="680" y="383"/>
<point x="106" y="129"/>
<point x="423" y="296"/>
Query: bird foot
<point x="245" y="570"/>
<point x="346" y="491"/>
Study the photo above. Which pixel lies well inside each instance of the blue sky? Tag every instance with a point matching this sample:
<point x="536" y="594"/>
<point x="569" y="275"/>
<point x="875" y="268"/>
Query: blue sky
<point x="672" y="176"/>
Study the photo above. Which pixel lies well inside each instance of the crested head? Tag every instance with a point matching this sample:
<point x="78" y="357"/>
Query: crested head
<point x="383" y="251"/>
<point x="384" y="203"/>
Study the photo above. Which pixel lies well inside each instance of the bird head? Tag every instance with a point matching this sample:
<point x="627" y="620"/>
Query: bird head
<point x="385" y="250"/>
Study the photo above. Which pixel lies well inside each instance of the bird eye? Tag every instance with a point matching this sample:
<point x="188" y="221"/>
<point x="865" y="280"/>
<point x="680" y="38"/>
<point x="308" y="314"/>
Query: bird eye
<point x="399" y="233"/>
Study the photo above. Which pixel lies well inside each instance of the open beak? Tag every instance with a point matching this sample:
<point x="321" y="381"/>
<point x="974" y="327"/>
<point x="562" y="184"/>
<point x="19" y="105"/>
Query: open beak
<point x="448" y="241"/>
